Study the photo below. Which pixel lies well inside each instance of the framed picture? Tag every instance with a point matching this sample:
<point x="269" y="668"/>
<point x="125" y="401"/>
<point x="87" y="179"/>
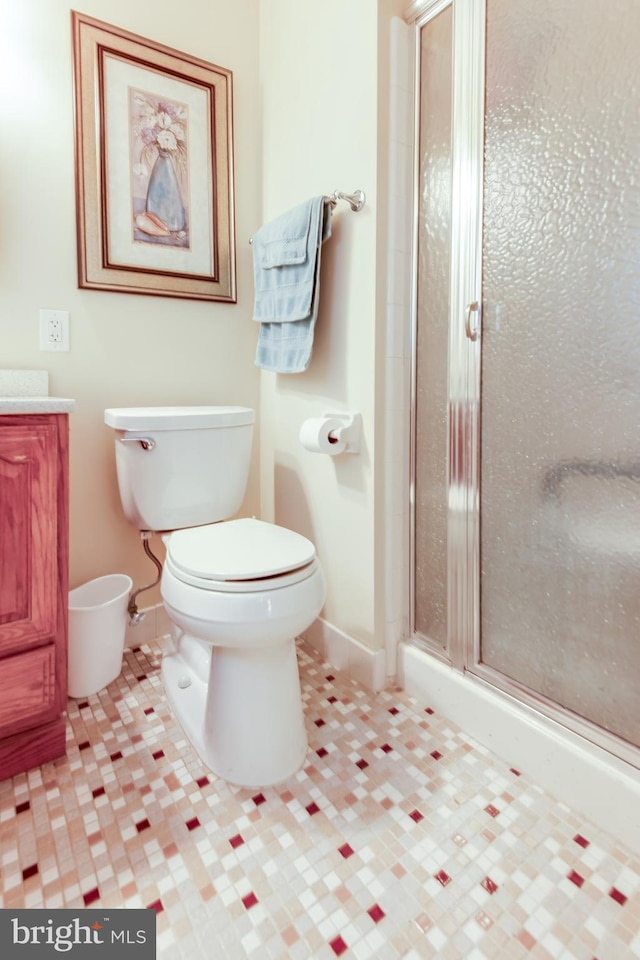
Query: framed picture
<point x="154" y="167"/>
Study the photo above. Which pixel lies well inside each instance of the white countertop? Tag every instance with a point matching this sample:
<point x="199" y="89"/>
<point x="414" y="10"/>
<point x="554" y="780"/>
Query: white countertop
<point x="36" y="405"/>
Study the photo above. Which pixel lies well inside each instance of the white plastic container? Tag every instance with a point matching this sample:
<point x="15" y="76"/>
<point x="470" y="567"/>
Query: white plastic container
<point x="97" y="626"/>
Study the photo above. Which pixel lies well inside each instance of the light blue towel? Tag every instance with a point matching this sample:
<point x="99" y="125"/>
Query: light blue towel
<point x="286" y="265"/>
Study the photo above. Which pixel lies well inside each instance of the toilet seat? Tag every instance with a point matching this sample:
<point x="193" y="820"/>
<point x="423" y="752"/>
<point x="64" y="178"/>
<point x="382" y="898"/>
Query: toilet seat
<point x="239" y="556"/>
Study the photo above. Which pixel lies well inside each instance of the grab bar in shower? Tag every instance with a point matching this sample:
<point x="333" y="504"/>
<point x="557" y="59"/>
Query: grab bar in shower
<point x="606" y="469"/>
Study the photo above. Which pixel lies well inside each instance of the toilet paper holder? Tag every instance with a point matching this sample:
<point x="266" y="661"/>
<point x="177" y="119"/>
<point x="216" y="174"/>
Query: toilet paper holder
<point x="351" y="432"/>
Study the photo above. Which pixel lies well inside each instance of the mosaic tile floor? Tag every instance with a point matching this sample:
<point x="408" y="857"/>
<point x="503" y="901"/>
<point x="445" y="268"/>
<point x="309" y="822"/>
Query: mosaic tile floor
<point x="401" y="837"/>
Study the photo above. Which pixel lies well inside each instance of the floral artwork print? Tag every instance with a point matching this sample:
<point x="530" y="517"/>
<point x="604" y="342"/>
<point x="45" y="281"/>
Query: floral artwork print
<point x="159" y="169"/>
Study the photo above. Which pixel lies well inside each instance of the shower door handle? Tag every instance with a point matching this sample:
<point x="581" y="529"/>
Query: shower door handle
<point x="472" y="331"/>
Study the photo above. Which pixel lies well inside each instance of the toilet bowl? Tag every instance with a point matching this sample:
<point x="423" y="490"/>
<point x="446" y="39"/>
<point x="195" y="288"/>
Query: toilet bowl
<point x="231" y="674"/>
<point x="237" y="591"/>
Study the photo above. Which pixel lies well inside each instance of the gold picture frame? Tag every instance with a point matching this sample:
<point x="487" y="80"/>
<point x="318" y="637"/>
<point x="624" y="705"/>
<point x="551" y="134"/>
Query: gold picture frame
<point x="154" y="167"/>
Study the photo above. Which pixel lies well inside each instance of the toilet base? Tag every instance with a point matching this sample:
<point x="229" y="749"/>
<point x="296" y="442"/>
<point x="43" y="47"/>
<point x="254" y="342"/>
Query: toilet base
<point x="240" y="708"/>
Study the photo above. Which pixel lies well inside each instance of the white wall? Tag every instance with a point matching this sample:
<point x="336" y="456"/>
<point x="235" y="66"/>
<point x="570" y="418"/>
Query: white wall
<point x="312" y="120"/>
<point x="125" y="349"/>
<point x="322" y="122"/>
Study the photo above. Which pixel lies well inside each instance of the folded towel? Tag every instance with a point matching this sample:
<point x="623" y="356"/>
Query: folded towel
<point x="286" y="259"/>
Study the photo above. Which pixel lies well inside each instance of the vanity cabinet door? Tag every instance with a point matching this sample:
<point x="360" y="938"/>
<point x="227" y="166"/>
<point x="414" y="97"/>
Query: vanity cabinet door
<point x="33" y="589"/>
<point x="28" y="545"/>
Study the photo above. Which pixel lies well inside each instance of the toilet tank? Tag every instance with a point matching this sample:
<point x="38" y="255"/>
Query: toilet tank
<point x="181" y="466"/>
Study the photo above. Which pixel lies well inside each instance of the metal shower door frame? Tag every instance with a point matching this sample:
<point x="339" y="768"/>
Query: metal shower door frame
<point x="463" y="649"/>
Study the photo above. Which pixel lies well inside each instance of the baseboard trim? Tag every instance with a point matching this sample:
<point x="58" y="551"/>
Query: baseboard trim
<point x="347" y="654"/>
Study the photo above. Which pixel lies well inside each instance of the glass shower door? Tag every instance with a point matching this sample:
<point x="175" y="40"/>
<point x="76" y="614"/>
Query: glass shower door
<point x="560" y="386"/>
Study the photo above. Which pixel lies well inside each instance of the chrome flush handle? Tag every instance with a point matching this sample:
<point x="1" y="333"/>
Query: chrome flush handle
<point x="147" y="443"/>
<point x="472" y="331"/>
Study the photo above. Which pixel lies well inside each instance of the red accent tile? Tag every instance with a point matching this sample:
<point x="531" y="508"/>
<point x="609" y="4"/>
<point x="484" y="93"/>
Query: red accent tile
<point x="81" y="706"/>
<point x="393" y="711"/>
<point x="192" y="824"/>
<point x="91" y="896"/>
<point x="84" y="745"/>
<point x="580" y="840"/>
<point x="158" y="754"/>
<point x="259" y="798"/>
<point x="436" y="755"/>
<point x="429" y="711"/>
<point x="250" y="900"/>
<point x="30" y="871"/>
<point x="515" y="772"/>
<point x="202" y="781"/>
<point x="23" y="806"/>
<point x="332" y="699"/>
<point x="116" y="756"/>
<point x="575" y="878"/>
<point x="442" y="877"/>
<point x="319" y="722"/>
<point x="491" y="810"/>
<point x="142" y="825"/>
<point x="416" y="815"/>
<point x="236" y="841"/>
<point x="156" y="905"/>
<point x="338" y="946"/>
<point x="148" y="711"/>
<point x="330" y="677"/>
<point x="346" y="850"/>
<point x="135" y="649"/>
<point x="489" y="885"/>
<point x="312" y="808"/>
<point x="322" y="752"/>
<point x="386" y="748"/>
<point x="362" y="764"/>
<point x="376" y="913"/>
<point x="141" y="677"/>
<point x="98" y="792"/>
<point x="617" y="896"/>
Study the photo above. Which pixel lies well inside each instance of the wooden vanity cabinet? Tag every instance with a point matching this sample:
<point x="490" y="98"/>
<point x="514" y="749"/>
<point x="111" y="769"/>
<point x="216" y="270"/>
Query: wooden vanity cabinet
<point x="34" y="547"/>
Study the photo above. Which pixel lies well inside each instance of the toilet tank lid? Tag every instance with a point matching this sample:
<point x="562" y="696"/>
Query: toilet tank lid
<point x="177" y="418"/>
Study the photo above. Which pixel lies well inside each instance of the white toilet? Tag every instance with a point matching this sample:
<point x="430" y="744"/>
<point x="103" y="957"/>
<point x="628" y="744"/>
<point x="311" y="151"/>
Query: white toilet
<point x="238" y="592"/>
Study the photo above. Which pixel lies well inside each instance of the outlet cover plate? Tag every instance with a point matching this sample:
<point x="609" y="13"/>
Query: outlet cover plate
<point x="54" y="330"/>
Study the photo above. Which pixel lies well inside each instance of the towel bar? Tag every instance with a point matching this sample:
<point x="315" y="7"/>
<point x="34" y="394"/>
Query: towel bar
<point x="355" y="200"/>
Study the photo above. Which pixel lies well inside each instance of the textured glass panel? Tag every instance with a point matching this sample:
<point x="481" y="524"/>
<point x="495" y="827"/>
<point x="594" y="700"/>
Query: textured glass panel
<point x="432" y="329"/>
<point x="560" y="506"/>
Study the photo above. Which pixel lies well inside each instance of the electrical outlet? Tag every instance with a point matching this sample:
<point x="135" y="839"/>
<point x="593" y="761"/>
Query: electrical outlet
<point x="54" y="330"/>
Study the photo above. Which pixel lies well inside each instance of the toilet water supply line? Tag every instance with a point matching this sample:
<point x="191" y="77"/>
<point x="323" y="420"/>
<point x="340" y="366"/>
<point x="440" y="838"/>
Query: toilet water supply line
<point x="135" y="617"/>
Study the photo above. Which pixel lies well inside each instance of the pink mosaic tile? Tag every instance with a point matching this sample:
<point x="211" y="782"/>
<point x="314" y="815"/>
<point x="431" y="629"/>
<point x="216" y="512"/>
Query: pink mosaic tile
<point x="399" y="838"/>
